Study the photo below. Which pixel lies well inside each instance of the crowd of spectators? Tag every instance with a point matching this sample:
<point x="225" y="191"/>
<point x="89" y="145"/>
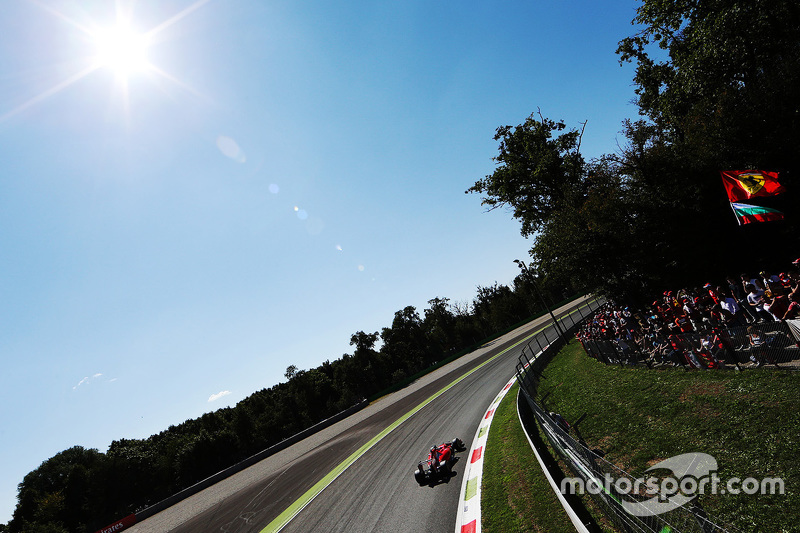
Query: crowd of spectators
<point x="700" y="327"/>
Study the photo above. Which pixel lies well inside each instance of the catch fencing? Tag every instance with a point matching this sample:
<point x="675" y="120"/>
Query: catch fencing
<point x="589" y="464"/>
<point x="766" y="343"/>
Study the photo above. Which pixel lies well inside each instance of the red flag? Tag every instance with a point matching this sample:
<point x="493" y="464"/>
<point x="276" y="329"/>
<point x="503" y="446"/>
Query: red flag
<point x="746" y="184"/>
<point x="747" y="214"/>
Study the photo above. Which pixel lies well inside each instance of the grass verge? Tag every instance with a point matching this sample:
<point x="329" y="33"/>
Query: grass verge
<point x="749" y="421"/>
<point x="515" y="495"/>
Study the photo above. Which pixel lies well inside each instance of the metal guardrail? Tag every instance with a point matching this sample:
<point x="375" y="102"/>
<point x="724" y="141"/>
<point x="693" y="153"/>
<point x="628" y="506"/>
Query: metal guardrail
<point x="588" y="464"/>
<point x="151" y="510"/>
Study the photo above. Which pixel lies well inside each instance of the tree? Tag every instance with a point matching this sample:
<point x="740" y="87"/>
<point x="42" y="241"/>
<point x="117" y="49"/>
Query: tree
<point x="45" y="493"/>
<point x="498" y="307"/>
<point x="728" y="88"/>
<point x="537" y="174"/>
<point x="364" y="342"/>
<point x="723" y="92"/>
<point x="405" y="344"/>
<point x="726" y="95"/>
<point x="439" y="325"/>
<point x="558" y="198"/>
<point x="313" y="394"/>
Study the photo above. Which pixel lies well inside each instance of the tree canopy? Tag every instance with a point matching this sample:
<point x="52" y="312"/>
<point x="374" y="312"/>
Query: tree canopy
<point x="538" y="174"/>
<point x="717" y="87"/>
<point x="729" y="85"/>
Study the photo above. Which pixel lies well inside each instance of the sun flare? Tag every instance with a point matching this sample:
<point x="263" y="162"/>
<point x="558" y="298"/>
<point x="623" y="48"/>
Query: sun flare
<point x="122" y="50"/>
<point x="119" y="48"/>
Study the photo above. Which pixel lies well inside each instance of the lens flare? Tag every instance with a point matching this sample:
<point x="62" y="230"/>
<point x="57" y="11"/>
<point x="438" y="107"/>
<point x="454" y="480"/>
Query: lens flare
<point x="230" y="149"/>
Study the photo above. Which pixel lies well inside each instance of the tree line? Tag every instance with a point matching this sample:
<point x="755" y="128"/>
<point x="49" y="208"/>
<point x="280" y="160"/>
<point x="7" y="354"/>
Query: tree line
<point x="82" y="489"/>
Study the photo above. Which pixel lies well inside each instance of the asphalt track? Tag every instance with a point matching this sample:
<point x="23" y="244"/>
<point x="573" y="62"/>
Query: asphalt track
<point x="377" y="492"/>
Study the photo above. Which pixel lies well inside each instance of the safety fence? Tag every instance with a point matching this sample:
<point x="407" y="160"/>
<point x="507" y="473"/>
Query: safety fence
<point x="766" y="343"/>
<point x="156" y="508"/>
<point x="633" y="510"/>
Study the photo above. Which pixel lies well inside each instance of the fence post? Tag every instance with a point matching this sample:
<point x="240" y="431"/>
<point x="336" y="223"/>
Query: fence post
<point x="536" y="338"/>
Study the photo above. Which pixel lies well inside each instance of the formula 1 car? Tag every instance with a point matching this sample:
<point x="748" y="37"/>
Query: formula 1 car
<point x="439" y="463"/>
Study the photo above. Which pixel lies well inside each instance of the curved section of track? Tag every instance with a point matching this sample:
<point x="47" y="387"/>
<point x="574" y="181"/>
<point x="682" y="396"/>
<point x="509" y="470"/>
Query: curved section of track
<point x="377" y="492"/>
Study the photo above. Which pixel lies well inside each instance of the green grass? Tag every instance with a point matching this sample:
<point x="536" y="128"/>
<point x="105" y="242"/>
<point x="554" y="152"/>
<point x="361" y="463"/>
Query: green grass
<point x="516" y="496"/>
<point x="749" y="421"/>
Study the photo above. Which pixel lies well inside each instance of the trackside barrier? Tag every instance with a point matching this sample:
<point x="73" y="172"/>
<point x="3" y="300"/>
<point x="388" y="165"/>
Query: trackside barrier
<point x="250" y="461"/>
<point x="119" y="525"/>
<point x="468" y="519"/>
<point x="590" y="466"/>
<point x="228" y="472"/>
<point x="582" y="525"/>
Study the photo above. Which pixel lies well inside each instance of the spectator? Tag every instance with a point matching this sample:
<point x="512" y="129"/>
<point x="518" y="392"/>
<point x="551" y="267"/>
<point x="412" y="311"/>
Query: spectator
<point x="746" y="280"/>
<point x="703" y="300"/>
<point x="691" y="311"/>
<point x="624" y="349"/>
<point x="792" y="312"/>
<point x="720" y="316"/>
<point x="732" y="313"/>
<point x="668" y="331"/>
<point x="758" y="346"/>
<point x="683" y="323"/>
<point x="712" y="292"/>
<point x="755" y="297"/>
<point x="794" y="287"/>
<point x="677" y="355"/>
<point x="656" y="324"/>
<point x="658" y="348"/>
<point x="772" y="284"/>
<point x="724" y="348"/>
<point x="711" y="316"/>
<point x="777" y="306"/>
<point x="705" y="353"/>
<point x="737" y="292"/>
<point x="785" y="282"/>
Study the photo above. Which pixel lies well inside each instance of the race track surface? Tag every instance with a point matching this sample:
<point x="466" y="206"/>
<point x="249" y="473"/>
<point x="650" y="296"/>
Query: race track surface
<point x="378" y="491"/>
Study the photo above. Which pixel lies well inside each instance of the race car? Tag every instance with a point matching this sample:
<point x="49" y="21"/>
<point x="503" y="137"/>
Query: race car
<point x="439" y="463"/>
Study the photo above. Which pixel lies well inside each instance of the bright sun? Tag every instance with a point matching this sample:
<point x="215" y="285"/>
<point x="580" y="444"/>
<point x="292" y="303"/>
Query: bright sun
<point x="121" y="50"/>
<point x="118" y="48"/>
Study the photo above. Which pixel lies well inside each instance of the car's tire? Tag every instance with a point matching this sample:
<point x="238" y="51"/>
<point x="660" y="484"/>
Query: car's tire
<point x="420" y="477"/>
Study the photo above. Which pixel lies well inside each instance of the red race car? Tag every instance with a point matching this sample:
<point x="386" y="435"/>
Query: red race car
<point x="439" y="463"/>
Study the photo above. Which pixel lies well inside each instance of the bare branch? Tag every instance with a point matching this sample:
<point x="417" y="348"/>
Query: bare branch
<point x="580" y="137"/>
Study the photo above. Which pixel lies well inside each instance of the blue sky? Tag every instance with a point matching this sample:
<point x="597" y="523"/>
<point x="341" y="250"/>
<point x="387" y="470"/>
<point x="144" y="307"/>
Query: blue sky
<point x="272" y="178"/>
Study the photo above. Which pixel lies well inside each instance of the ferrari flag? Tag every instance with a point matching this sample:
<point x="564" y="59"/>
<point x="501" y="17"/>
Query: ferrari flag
<point x="746" y="213"/>
<point x="746" y="184"/>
